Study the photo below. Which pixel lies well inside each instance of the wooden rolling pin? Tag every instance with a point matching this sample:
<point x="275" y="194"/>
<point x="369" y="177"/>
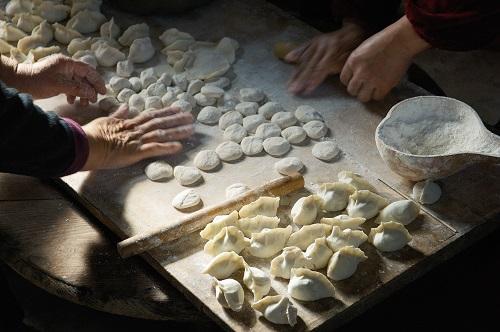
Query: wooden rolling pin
<point x="142" y="242"/>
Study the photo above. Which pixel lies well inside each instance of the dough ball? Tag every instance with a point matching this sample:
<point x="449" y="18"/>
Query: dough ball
<point x="235" y="133"/>
<point x="269" y="109"/>
<point x="190" y="99"/>
<point x="230" y="118"/>
<point x="194" y="87"/>
<point x="294" y="134"/>
<point x="251" y="122"/>
<point x="135" y="83"/>
<point x="326" y="150"/>
<point x="267" y="130"/>
<point x="289" y="166"/>
<point x="165" y="78"/>
<point x="212" y="91"/>
<point x="227" y="103"/>
<point x="125" y="95"/>
<point x="306" y="113"/>
<point x="183" y="105"/>
<point x="153" y="102"/>
<point x="203" y="100"/>
<point x="187" y="175"/>
<point x="186" y="199"/>
<point x="159" y="171"/>
<point x="251" y="94"/>
<point x="315" y="129"/>
<point x="109" y="103"/>
<point x="168" y="98"/>
<point x="157" y="89"/>
<point x="251" y="145"/>
<point x="180" y="81"/>
<point x="206" y="160"/>
<point x="247" y="108"/>
<point x="236" y="189"/>
<point x="426" y="192"/>
<point x="229" y="151"/>
<point x="284" y="119"/>
<point x="221" y="82"/>
<point x="117" y="84"/>
<point x="137" y="103"/>
<point x="209" y="115"/>
<point x="276" y="146"/>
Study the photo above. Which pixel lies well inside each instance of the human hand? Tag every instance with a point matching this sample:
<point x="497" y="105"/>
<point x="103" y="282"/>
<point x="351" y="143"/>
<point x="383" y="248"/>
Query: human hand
<point x="116" y="142"/>
<point x="58" y="74"/>
<point x="379" y="63"/>
<point x="322" y="56"/>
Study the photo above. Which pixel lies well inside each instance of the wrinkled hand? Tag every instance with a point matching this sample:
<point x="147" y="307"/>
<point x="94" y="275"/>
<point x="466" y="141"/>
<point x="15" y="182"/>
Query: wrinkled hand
<point x="118" y="142"/>
<point x="322" y="56"/>
<point x="58" y="74"/>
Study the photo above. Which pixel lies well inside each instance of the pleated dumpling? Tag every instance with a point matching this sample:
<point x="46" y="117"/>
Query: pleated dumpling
<point x="344" y="221"/>
<point x="9" y="32"/>
<point x="44" y="31"/>
<point x="290" y="258"/>
<point x="305" y="210"/>
<point x="319" y="253"/>
<point x="277" y="309"/>
<point x="79" y="44"/>
<point x="38" y="53"/>
<point x="141" y="50"/>
<point x="344" y="263"/>
<point x="110" y="29"/>
<point x="389" y="236"/>
<point x="229" y="294"/>
<point x="134" y="32"/>
<point x="263" y="206"/>
<point x="269" y="242"/>
<point x="5" y="47"/>
<point x="335" y="196"/>
<point x="52" y="11"/>
<point x="356" y="180"/>
<point x="14" y="7"/>
<point x="307" y="285"/>
<point x="86" y="21"/>
<point x="257" y="281"/>
<point x="219" y="223"/>
<point x="307" y="234"/>
<point x="107" y="55"/>
<point x="224" y="265"/>
<point x="403" y="212"/>
<point x="257" y="224"/>
<point x="63" y="34"/>
<point x="229" y="238"/>
<point x="345" y="237"/>
<point x="26" y="21"/>
<point x="365" y="204"/>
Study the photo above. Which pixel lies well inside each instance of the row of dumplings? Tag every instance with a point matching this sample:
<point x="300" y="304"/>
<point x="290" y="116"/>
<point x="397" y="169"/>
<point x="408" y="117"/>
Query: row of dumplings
<point x="331" y="244"/>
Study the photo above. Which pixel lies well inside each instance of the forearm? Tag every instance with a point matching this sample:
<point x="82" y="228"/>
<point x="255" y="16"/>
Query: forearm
<point x="404" y="34"/>
<point x="8" y="71"/>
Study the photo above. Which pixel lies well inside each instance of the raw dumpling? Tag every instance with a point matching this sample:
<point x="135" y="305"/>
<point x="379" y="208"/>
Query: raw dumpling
<point x="236" y="189"/>
<point x="345" y="237"/>
<point x="52" y="11"/>
<point x="307" y="285"/>
<point x="365" y="204"/>
<point x="186" y="199"/>
<point x="356" y="180"/>
<point x="26" y="21"/>
<point x="79" y="5"/>
<point x="110" y="29"/>
<point x="9" y="32"/>
<point x="44" y="31"/>
<point x="79" y="44"/>
<point x="305" y="210"/>
<point x="257" y="224"/>
<point x="141" y="50"/>
<point x="229" y="294"/>
<point x="224" y="264"/>
<point x="86" y="21"/>
<point x="290" y="258"/>
<point x="403" y="212"/>
<point x="106" y="55"/>
<point x="307" y="234"/>
<point x="134" y="32"/>
<point x="344" y="263"/>
<point x="171" y="35"/>
<point x="344" y="221"/>
<point x="17" y="55"/>
<point x="335" y="195"/>
<point x="218" y="224"/>
<point x="264" y="206"/>
<point x="124" y="68"/>
<point x="257" y="281"/>
<point x="389" y="236"/>
<point x="426" y="192"/>
<point x="42" y="52"/>
<point x="277" y="309"/>
<point x="5" y="47"/>
<point x="14" y="7"/>
<point x="269" y="242"/>
<point x="63" y="34"/>
<point x="229" y="238"/>
<point x="318" y="253"/>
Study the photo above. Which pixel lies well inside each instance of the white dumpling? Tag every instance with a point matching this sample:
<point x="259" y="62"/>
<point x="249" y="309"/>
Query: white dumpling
<point x="134" y="32"/>
<point x="41" y="52"/>
<point x="26" y="21"/>
<point x="263" y="206"/>
<point x="257" y="281"/>
<point x="17" y="55"/>
<point x="356" y="180"/>
<point x="79" y="5"/>
<point x="106" y="55"/>
<point x="30" y="42"/>
<point x="9" y="32"/>
<point x="87" y="57"/>
<point x="224" y="265"/>
<point x="290" y="258"/>
<point x="86" y="21"/>
<point x="14" y="7"/>
<point x="307" y="285"/>
<point x="305" y="210"/>
<point x="345" y="237"/>
<point x="44" y="31"/>
<point x="171" y="35"/>
<point x="403" y="212"/>
<point x="269" y="242"/>
<point x="257" y="224"/>
<point x="218" y="224"/>
<point x="5" y="47"/>
<point x="229" y="294"/>
<point x="344" y="221"/>
<point x="277" y="309"/>
<point x="389" y="236"/>
<point x="344" y="263"/>
<point x="141" y="50"/>
<point x="335" y="195"/>
<point x="229" y="238"/>
<point x="319" y="253"/>
<point x="79" y="44"/>
<point x="63" y="34"/>
<point x="52" y="11"/>
<point x="307" y="234"/>
<point x="426" y="192"/>
<point x="124" y="68"/>
<point x="365" y="204"/>
<point x="110" y="29"/>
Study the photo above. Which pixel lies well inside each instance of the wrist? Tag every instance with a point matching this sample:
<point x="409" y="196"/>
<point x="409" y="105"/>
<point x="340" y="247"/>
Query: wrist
<point x="411" y="43"/>
<point x="96" y="149"/>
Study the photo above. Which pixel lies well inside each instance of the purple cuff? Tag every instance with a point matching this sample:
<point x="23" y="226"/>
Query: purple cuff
<point x="81" y="147"/>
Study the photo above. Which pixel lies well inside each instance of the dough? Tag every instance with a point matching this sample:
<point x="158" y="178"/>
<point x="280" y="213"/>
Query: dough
<point x="134" y="32"/>
<point x="426" y="192"/>
<point x="168" y="98"/>
<point x="235" y="133"/>
<point x="344" y="221"/>
<point x="251" y="145"/>
<point x="157" y="89"/>
<point x="229" y="238"/>
<point x="209" y="115"/>
<point x="194" y="87"/>
<point x="220" y="82"/>
<point x="218" y="223"/>
<point x="206" y="160"/>
<point x="159" y="171"/>
<point x="307" y="234"/>
<point x="106" y="55"/>
<point x="236" y="189"/>
<point x="257" y="224"/>
<point x="187" y="175"/>
<point x="52" y="11"/>
<point x="276" y="146"/>
<point x="26" y="22"/>
<point x="365" y="204"/>
<point x="263" y="206"/>
<point x="165" y="78"/>
<point x="269" y="242"/>
<point x="125" y="95"/>
<point x="180" y="81"/>
<point x="230" y="118"/>
<point x="63" y="34"/>
<point x="251" y="94"/>
<point x="403" y="212"/>
<point x="294" y="134"/>
<point x="389" y="236"/>
<point x="306" y="113"/>
<point x="345" y="237"/>
<point x="79" y="44"/>
<point x="284" y="119"/>
<point x="79" y="5"/>
<point x="109" y="104"/>
<point x="227" y="103"/>
<point x="251" y="122"/>
<point x="307" y="285"/>
<point x="289" y="166"/>
<point x="41" y="52"/>
<point x="117" y="84"/>
<point x="267" y="130"/>
<point x="148" y="77"/>
<point x="86" y="21"/>
<point x="229" y="294"/>
<point x="110" y="29"/>
<point x="257" y="281"/>
<point x="344" y="263"/>
<point x="14" y="7"/>
<point x="277" y="309"/>
<point x="247" y="108"/>
<point x="183" y="105"/>
<point x="141" y="50"/>
<point x="171" y="35"/>
<point x="229" y="151"/>
<point x="315" y="129"/>
<point x="203" y="100"/>
<point x="326" y="150"/>
<point x="186" y="199"/>
<point x="318" y="253"/>
<point x="124" y="68"/>
<point x="9" y="32"/>
<point x="269" y="109"/>
<point x="224" y="264"/>
<point x="291" y="257"/>
<point x="212" y="91"/>
<point x="5" y="47"/>
<point x="335" y="196"/>
<point x="356" y="180"/>
<point x="136" y="103"/>
<point x="136" y="84"/>
<point x="305" y="210"/>
<point x="153" y="102"/>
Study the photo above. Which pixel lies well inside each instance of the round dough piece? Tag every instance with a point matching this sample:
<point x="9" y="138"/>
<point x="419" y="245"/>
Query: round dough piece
<point x="212" y="91"/>
<point x="306" y="113"/>
<point x="294" y="134"/>
<point x="159" y="171"/>
<point x="236" y="189"/>
<point x="183" y="105"/>
<point x="230" y="118"/>
<point x="269" y="109"/>
<point x="206" y="160"/>
<point x="152" y="102"/>
<point x="251" y="94"/>
<point x="209" y="115"/>
<point x="235" y="133"/>
<point x="315" y="129"/>
<point x="326" y="150"/>
<point x="136" y="102"/>
<point x="267" y="130"/>
<point x="203" y="100"/>
<point x="251" y="122"/>
<point x="251" y="145"/>
<point x="276" y="146"/>
<point x="187" y="175"/>
<point x="289" y="166"/>
<point x="186" y="199"/>
<point x="247" y="108"/>
<point x="284" y="119"/>
<point x="229" y="151"/>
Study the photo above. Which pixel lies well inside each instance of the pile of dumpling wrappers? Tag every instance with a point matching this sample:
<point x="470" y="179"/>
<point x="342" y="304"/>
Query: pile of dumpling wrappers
<point x="297" y="251"/>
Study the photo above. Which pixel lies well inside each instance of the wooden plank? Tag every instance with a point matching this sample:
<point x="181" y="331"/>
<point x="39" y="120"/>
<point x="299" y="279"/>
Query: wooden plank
<point x="19" y="187"/>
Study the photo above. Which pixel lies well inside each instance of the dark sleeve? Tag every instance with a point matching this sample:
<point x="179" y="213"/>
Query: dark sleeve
<point x="455" y="24"/>
<point x="37" y="143"/>
<point x="373" y="15"/>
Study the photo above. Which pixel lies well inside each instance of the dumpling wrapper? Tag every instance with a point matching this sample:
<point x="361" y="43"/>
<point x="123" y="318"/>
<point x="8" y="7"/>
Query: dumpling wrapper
<point x="389" y="236"/>
<point x="307" y="234"/>
<point x="229" y="294"/>
<point x="277" y="309"/>
<point x="305" y="210"/>
<point x="365" y="204"/>
<point x="257" y="281"/>
<point x="403" y="212"/>
<point x="345" y="237"/>
<point x="224" y="265"/>
<point x="290" y="258"/>
<point x="344" y="221"/>
<point x="263" y="206"/>
<point x="344" y="263"/>
<point x="319" y="253"/>
<point x="257" y="224"/>
<point x="356" y="180"/>
<point x="335" y="196"/>
<point x="307" y="285"/>
<point x="219" y="223"/>
<point x="269" y="242"/>
<point x="229" y="238"/>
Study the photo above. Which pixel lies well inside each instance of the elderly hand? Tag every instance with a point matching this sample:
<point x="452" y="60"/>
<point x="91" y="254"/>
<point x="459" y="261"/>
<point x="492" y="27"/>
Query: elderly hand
<point x="58" y="74"/>
<point x="118" y="142"/>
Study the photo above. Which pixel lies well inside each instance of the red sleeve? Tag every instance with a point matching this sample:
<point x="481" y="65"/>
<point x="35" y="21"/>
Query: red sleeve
<point x="455" y="24"/>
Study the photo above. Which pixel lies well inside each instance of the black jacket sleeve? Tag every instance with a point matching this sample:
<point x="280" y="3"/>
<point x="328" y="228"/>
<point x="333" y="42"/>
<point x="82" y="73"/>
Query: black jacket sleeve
<point x="372" y="15"/>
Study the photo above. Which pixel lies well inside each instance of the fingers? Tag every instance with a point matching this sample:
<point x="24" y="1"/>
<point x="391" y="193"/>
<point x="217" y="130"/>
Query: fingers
<point x="70" y="99"/>
<point x="294" y="55"/>
<point x="83" y="70"/>
<point x="121" y="112"/>
<point x="148" y="116"/>
<point x="170" y="121"/>
<point x="167" y="135"/>
<point x="346" y="74"/>
<point x="159" y="149"/>
<point x="78" y="88"/>
<point x="354" y="86"/>
<point x="366" y="94"/>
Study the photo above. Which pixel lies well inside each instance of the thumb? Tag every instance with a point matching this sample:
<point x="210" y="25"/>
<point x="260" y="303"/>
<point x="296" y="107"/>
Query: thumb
<point x="121" y="112"/>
